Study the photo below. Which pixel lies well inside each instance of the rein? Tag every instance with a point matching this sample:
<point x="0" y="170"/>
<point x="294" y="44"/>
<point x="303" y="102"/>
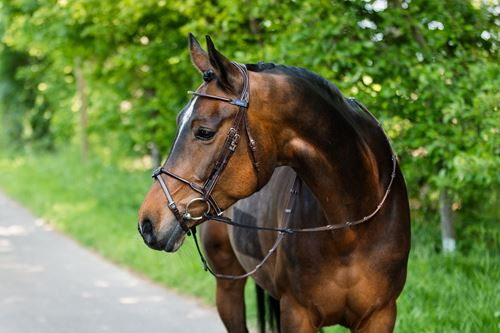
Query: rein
<point x="228" y="149"/>
<point x="297" y="185"/>
<point x="288" y="211"/>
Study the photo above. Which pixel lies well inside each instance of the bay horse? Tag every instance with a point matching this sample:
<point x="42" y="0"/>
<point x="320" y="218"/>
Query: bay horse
<point x="296" y="122"/>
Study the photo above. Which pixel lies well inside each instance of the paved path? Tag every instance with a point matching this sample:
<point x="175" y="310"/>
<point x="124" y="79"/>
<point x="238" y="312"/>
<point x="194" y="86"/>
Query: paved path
<point x="49" y="284"/>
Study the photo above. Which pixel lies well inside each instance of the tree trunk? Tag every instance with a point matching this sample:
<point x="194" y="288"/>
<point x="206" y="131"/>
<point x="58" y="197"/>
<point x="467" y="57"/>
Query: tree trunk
<point x="155" y="155"/>
<point x="149" y="94"/>
<point x="82" y="100"/>
<point x="447" y="229"/>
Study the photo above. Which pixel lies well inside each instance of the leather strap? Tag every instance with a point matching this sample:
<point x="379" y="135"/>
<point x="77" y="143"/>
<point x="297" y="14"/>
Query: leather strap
<point x="228" y="149"/>
<point x="294" y="191"/>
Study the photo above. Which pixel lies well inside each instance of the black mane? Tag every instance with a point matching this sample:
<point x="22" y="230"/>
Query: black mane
<point x="328" y="91"/>
<point x="296" y="72"/>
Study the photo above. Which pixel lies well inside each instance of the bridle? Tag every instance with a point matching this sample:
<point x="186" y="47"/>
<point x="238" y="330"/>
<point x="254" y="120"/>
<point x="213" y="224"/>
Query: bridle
<point x="232" y="139"/>
<point x="229" y="147"/>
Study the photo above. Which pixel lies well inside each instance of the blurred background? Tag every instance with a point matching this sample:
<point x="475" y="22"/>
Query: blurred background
<point x="89" y="92"/>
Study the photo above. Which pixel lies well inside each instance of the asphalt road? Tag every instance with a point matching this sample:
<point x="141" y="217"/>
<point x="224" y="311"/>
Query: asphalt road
<point x="49" y="284"/>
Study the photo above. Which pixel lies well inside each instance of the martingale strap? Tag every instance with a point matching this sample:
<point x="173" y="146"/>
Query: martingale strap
<point x="286" y="230"/>
<point x="294" y="191"/>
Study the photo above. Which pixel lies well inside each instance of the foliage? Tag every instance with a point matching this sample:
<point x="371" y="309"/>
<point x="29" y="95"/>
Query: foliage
<point x="428" y="69"/>
<point x="16" y="101"/>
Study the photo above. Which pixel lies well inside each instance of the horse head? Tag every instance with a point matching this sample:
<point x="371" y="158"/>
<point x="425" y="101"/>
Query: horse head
<point x="209" y="166"/>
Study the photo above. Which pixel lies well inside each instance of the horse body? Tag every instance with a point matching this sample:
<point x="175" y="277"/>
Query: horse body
<point x="350" y="276"/>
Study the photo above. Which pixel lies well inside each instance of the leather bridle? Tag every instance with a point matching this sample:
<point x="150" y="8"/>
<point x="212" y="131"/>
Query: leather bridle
<point x="206" y="191"/>
<point x="240" y="123"/>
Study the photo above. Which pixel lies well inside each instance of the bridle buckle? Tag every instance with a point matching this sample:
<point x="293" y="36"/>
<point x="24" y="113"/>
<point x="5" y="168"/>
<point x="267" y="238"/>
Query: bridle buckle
<point x="234" y="142"/>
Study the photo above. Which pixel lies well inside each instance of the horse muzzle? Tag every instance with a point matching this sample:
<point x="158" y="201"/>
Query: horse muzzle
<point x="168" y="240"/>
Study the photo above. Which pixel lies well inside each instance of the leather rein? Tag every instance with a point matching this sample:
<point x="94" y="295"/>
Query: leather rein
<point x="233" y="137"/>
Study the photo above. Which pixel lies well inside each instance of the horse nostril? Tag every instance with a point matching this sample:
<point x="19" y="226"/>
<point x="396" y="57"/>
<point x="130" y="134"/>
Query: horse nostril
<point x="146" y="231"/>
<point x="147" y="226"/>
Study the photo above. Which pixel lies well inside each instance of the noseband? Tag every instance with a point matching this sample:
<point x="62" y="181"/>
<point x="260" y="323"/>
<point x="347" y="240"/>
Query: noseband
<point x="232" y="139"/>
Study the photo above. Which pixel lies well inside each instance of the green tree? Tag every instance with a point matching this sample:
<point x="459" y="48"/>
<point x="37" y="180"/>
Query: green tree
<point x="427" y="69"/>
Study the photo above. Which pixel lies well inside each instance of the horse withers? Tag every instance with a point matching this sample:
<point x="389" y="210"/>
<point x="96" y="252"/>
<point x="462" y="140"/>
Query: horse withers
<point x="242" y="123"/>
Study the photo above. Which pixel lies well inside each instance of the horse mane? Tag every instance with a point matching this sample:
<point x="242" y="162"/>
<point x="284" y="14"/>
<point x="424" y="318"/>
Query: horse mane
<point x="335" y="101"/>
<point x="317" y="80"/>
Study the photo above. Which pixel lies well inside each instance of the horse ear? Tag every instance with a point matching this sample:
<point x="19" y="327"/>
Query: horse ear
<point x="227" y="73"/>
<point x="198" y="56"/>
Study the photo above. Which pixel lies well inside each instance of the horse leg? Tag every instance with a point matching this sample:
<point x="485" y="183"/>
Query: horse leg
<point x="381" y="320"/>
<point x="231" y="305"/>
<point x="230" y="293"/>
<point x="294" y="317"/>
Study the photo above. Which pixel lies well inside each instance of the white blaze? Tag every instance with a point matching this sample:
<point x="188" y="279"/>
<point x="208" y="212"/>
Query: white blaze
<point x="185" y="117"/>
<point x="187" y="114"/>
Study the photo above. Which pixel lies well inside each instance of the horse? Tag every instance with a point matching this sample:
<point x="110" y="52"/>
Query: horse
<point x="351" y="266"/>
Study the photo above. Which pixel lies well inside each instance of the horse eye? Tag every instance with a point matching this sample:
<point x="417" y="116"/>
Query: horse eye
<point x="204" y="134"/>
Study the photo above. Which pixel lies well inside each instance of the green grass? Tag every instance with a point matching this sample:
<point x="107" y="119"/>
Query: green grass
<point x="97" y="203"/>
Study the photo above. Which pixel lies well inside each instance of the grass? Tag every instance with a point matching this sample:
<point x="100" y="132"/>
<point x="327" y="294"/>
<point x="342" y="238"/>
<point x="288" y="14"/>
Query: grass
<point x="96" y="203"/>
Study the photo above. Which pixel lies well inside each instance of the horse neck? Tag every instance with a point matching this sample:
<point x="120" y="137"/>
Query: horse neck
<point x="317" y="134"/>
